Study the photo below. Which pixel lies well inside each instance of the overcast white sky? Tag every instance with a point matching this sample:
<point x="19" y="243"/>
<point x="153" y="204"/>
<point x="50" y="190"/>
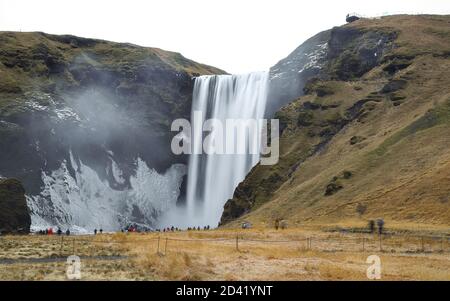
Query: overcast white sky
<point x="235" y="35"/>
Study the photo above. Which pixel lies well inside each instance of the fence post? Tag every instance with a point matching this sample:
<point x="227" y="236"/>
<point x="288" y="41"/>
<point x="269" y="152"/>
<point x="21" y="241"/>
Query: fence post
<point x="381" y="246"/>
<point x="73" y="246"/>
<point x="61" y="246"/>
<point x="422" y="244"/>
<point x="364" y="241"/>
<point x="157" y="251"/>
<point x="165" y="247"/>
<point x="237" y="242"/>
<point x="92" y="247"/>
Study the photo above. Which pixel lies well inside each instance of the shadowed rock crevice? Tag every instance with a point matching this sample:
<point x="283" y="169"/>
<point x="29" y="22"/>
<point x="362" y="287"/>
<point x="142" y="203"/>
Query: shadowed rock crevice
<point x="14" y="215"/>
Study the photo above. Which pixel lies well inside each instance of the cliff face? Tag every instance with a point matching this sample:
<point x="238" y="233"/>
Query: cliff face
<point x="14" y="215"/>
<point x="342" y="52"/>
<point x="367" y="139"/>
<point x="288" y="76"/>
<point x="85" y="123"/>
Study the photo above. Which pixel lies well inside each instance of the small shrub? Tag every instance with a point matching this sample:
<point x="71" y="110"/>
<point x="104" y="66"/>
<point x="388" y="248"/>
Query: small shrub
<point x="332" y="188"/>
<point x="305" y="118"/>
<point x="361" y="209"/>
<point x="356" y="139"/>
<point x="371" y="226"/>
<point x="277" y="224"/>
<point x="347" y="174"/>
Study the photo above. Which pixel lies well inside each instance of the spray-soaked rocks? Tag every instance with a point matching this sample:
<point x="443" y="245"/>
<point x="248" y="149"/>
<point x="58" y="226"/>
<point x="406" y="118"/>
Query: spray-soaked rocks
<point x="14" y="215"/>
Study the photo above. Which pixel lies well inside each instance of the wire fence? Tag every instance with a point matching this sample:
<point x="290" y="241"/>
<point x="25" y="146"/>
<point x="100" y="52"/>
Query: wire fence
<point x="343" y="243"/>
<point x="167" y="242"/>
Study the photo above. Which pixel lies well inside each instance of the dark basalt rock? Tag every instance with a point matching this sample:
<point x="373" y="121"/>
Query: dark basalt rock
<point x="356" y="139"/>
<point x="14" y="215"/>
<point x="316" y="86"/>
<point x="311" y="105"/>
<point x="352" y="52"/>
<point x="393" y="86"/>
<point x="397" y="64"/>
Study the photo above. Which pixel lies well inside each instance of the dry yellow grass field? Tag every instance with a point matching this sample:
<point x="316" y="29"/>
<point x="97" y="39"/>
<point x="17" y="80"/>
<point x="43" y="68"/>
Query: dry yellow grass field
<point x="262" y="254"/>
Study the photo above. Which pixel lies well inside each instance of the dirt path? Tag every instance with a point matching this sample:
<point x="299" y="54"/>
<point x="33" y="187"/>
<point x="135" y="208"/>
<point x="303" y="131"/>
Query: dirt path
<point x="7" y="261"/>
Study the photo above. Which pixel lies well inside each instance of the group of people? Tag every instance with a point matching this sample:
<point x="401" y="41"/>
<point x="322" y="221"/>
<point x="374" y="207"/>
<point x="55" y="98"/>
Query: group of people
<point x="50" y="231"/>
<point x="198" y="228"/>
<point x="99" y="231"/>
<point x="176" y="229"/>
<point x="168" y="229"/>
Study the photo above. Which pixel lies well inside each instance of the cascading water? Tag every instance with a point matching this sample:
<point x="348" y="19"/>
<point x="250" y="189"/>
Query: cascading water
<point x="212" y="178"/>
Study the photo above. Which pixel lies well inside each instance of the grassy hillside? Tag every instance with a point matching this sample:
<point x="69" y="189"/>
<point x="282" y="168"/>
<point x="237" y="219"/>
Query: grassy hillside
<point x="370" y="137"/>
<point x="35" y="61"/>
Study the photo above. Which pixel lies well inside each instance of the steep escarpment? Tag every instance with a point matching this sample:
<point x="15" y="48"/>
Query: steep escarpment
<point x="342" y="52"/>
<point x="14" y="214"/>
<point x="288" y="76"/>
<point x="85" y="125"/>
<point x="368" y="138"/>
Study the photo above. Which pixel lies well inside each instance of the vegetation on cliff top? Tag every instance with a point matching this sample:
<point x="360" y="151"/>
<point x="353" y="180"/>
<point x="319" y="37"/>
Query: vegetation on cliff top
<point x="33" y="61"/>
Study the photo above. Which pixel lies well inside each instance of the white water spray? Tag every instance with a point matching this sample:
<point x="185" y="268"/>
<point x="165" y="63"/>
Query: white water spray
<point x="83" y="202"/>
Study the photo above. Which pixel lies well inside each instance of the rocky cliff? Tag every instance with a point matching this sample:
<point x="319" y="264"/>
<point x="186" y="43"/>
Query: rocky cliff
<point x="365" y="134"/>
<point x="14" y="214"/>
<point x="85" y="125"/>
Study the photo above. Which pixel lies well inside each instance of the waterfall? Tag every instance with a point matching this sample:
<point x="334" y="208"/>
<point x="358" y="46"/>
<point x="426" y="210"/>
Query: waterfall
<point x="212" y="178"/>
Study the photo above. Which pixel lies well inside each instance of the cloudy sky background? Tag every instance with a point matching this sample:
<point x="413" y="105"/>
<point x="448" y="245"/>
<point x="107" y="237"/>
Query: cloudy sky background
<point x="235" y="35"/>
